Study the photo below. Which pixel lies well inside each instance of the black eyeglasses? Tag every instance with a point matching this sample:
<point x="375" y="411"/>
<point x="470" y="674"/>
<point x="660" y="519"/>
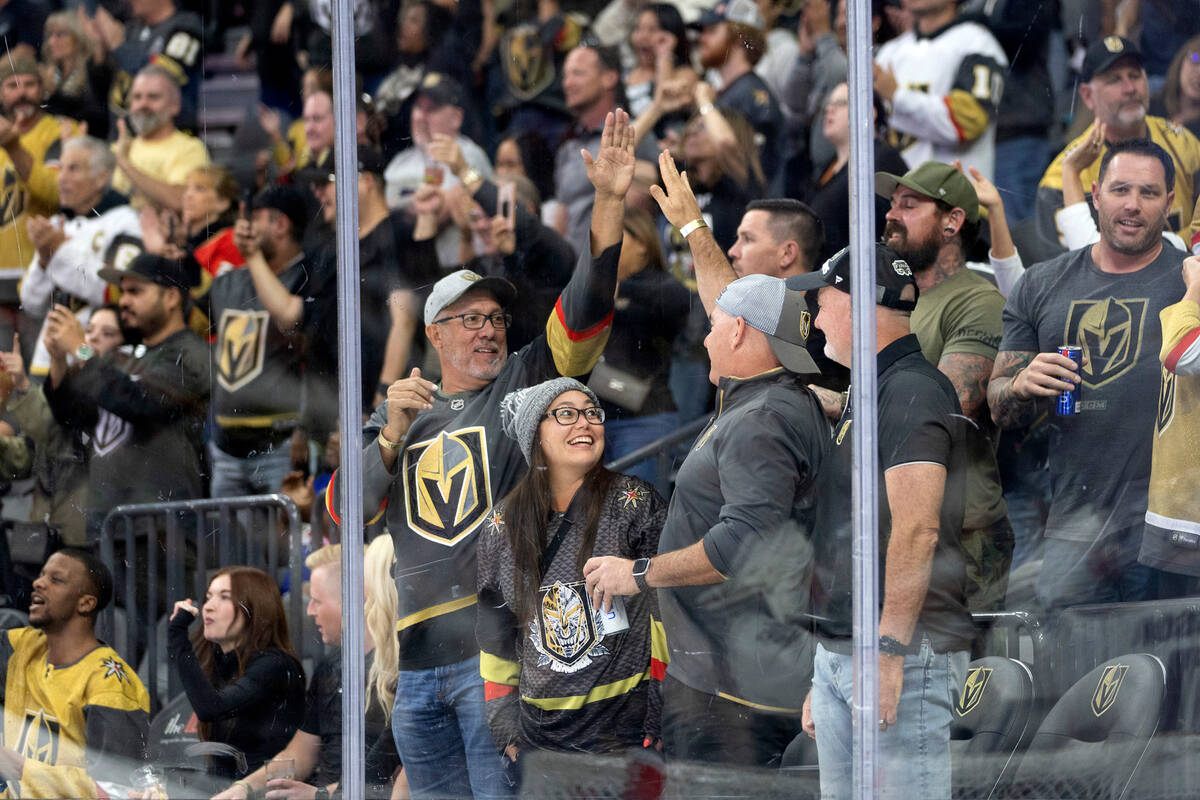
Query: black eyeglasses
<point x="569" y="416"/>
<point x="474" y="322"/>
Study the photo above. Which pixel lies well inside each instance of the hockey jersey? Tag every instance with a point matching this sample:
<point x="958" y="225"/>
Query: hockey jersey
<point x="19" y="200"/>
<point x="580" y="685"/>
<point x="74" y="724"/>
<point x="949" y="86"/>
<point x="1173" y="516"/>
<point x="1179" y="143"/>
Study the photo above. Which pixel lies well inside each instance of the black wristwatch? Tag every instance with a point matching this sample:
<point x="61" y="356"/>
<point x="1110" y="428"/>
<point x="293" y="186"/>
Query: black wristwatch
<point x="322" y="793"/>
<point x="890" y="646"/>
<point x="640" y="568"/>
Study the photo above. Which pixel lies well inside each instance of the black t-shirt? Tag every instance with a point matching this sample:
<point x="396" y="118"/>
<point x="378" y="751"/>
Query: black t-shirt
<point x="750" y="96"/>
<point x="920" y="421"/>
<point x="831" y="202"/>
<point x="323" y="718"/>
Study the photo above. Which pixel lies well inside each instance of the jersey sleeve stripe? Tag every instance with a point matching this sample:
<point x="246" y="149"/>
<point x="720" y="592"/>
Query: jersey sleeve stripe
<point x="1185" y="356"/>
<point x="969" y="118"/>
<point x="575" y="352"/>
<point x="436" y="611"/>
<point x="498" y="671"/>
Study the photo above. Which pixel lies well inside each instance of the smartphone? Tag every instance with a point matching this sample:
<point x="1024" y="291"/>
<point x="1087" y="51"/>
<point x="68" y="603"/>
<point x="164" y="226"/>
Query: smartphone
<point x="59" y="297"/>
<point x="247" y="202"/>
<point x="506" y="201"/>
<point x="171" y="229"/>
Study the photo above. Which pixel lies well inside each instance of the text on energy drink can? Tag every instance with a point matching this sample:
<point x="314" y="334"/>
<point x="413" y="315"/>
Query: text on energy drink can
<point x="1068" y="401"/>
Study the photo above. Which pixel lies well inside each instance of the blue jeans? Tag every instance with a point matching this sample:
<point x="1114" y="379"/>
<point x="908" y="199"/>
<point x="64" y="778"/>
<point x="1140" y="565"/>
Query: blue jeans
<point x="1020" y="163"/>
<point x="914" y="754"/>
<point x="441" y="730"/>
<point x="624" y="435"/>
<point x="262" y="473"/>
<point x="1102" y="571"/>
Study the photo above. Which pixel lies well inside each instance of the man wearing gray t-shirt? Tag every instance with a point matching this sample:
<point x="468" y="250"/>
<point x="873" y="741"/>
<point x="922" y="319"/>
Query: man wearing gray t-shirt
<point x="1104" y="299"/>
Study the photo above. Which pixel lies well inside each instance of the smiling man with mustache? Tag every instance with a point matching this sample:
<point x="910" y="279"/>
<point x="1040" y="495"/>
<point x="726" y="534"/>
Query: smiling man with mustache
<point x="30" y="143"/>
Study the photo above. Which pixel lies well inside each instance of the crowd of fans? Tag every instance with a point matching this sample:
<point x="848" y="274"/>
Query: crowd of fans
<point x="582" y="227"/>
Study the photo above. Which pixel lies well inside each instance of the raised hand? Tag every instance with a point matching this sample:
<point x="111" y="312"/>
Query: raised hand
<point x="268" y="119"/>
<point x="13" y="364"/>
<point x="64" y="333"/>
<point x="245" y="237"/>
<point x="675" y="197"/>
<point x="445" y="149"/>
<point x="185" y="605"/>
<point x="611" y="171"/>
<point x="46" y="238"/>
<point x="1084" y="154"/>
<point x="406" y="398"/>
<point x="985" y="190"/>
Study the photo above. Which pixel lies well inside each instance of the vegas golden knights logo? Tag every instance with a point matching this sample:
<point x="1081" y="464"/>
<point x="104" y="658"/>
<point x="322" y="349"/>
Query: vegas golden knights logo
<point x="447" y="485"/>
<point x="39" y="737"/>
<point x="1110" y="333"/>
<point x="525" y="63"/>
<point x="1107" y="688"/>
<point x="241" y="347"/>
<point x="1166" y="401"/>
<point x="110" y="432"/>
<point x="972" y="691"/>
<point x="567" y="629"/>
<point x="805" y="323"/>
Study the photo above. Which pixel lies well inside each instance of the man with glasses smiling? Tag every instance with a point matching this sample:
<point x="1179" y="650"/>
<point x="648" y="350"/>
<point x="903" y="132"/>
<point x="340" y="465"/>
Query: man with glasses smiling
<point x="437" y="460"/>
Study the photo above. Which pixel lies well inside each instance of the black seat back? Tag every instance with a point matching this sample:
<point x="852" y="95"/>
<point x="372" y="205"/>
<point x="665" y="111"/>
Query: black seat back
<point x="990" y="719"/>
<point x="1091" y="742"/>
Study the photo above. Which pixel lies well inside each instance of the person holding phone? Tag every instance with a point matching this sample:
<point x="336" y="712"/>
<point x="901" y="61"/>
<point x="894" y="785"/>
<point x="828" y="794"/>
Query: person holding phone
<point x="543" y="643"/>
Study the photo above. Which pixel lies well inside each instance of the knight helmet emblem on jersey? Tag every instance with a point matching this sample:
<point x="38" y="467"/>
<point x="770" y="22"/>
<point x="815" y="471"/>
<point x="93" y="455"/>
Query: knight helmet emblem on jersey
<point x="110" y="432"/>
<point x="39" y="737"/>
<point x="241" y="347"/>
<point x="972" y="691"/>
<point x="1166" y="402"/>
<point x="1110" y="333"/>
<point x="567" y="627"/>
<point x="525" y="64"/>
<point x="1108" y="687"/>
<point x="447" y="485"/>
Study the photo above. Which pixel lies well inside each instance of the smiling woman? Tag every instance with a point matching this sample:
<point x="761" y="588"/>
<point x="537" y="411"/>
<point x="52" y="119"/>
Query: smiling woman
<point x="559" y="673"/>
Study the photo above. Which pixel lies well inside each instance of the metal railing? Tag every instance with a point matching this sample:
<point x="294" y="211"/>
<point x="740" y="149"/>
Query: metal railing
<point x="661" y="450"/>
<point x="168" y="547"/>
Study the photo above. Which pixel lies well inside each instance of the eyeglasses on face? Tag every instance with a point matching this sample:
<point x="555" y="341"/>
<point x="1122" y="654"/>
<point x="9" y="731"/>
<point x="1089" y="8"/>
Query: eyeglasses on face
<point x="474" y="322"/>
<point x="569" y="416"/>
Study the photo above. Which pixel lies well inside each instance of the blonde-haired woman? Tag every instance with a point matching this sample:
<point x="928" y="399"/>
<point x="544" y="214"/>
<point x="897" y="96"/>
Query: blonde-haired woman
<point x="74" y="77"/>
<point x="384" y="665"/>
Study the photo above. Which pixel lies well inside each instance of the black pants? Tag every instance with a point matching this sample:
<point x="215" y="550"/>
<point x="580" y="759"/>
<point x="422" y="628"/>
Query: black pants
<point x="706" y="728"/>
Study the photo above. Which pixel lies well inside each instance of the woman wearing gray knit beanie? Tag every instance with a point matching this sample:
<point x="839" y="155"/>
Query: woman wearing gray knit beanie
<point x="558" y="673"/>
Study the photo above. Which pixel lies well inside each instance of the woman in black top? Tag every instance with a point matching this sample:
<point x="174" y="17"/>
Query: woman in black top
<point x="239" y="671"/>
<point x="830" y="193"/>
<point x="633" y="376"/>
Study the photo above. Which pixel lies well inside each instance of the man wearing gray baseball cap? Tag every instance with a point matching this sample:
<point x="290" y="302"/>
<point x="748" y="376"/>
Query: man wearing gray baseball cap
<point x="731" y="566"/>
<point x="438" y="459"/>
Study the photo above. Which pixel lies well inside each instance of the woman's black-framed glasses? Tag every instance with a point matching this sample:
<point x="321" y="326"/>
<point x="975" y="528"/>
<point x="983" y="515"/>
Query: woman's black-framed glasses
<point x="569" y="416"/>
<point x="474" y="322"/>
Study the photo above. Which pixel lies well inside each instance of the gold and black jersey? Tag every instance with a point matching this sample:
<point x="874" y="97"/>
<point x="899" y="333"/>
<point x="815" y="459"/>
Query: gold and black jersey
<point x="21" y="200"/>
<point x="74" y="723"/>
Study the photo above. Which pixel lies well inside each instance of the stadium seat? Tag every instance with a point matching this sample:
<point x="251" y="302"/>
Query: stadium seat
<point x="1092" y="740"/>
<point x="991" y="718"/>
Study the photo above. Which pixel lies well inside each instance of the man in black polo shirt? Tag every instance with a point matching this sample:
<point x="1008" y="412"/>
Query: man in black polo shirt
<point x="924" y="627"/>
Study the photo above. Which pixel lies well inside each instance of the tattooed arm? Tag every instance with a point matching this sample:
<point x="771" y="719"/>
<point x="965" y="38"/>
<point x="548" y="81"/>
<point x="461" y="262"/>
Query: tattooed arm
<point x="1020" y="377"/>
<point x="969" y="373"/>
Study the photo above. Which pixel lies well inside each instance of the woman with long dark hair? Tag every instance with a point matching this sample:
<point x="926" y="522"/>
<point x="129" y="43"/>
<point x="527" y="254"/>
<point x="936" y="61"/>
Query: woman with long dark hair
<point x="560" y="674"/>
<point x="239" y="670"/>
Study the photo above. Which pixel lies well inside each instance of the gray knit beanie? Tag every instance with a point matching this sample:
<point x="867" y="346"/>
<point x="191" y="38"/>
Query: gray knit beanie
<point x="521" y="411"/>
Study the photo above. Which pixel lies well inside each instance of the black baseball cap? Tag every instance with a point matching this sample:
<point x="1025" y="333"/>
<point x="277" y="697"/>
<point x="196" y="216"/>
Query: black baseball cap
<point x="892" y="276"/>
<point x="174" y="273"/>
<point x="289" y="201"/>
<point x="1101" y="55"/>
<point x="441" y="89"/>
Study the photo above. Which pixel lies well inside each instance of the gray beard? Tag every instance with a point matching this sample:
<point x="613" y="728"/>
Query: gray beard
<point x="143" y="123"/>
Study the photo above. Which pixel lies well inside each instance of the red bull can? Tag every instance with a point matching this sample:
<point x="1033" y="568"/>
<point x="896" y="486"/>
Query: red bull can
<point x="1068" y="401"/>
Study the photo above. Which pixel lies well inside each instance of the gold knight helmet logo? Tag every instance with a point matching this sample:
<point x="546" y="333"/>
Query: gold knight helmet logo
<point x="447" y="486"/>
<point x="1107" y="688"/>
<point x="241" y="347"/>
<point x="525" y="63"/>
<point x="972" y="691"/>
<point x="1110" y="333"/>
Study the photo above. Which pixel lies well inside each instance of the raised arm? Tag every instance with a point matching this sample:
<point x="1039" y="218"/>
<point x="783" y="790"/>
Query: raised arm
<point x="678" y="203"/>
